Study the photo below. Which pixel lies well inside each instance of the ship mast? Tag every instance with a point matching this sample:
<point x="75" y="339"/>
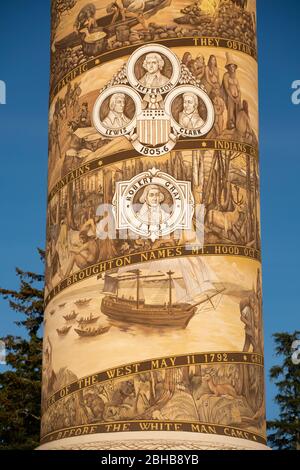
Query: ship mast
<point x="170" y="274"/>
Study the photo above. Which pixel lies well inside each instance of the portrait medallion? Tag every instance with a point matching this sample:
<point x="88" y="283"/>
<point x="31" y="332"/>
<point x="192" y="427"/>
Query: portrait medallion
<point x="153" y="107"/>
<point x="153" y="204"/>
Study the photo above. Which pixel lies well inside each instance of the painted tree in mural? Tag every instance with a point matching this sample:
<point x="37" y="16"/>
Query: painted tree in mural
<point x="285" y="431"/>
<point x="20" y="384"/>
<point x="58" y="8"/>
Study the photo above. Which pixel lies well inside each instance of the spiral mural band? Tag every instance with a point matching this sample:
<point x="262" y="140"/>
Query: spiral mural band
<point x="153" y="296"/>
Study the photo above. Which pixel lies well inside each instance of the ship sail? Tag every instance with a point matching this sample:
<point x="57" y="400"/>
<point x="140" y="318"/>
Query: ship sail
<point x="159" y="295"/>
<point x="192" y="282"/>
<point x="110" y="285"/>
<point x="128" y="290"/>
<point x="180" y="291"/>
<point x="197" y="278"/>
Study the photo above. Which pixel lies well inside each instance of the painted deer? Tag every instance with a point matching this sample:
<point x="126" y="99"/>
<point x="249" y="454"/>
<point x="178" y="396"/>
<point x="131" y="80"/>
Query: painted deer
<point x="226" y="222"/>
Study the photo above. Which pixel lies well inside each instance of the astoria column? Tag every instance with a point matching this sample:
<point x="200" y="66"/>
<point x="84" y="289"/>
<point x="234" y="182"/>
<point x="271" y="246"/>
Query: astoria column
<point x="153" y="333"/>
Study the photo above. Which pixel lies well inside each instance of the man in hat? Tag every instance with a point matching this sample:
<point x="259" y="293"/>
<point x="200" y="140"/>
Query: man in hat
<point x="152" y="212"/>
<point x="232" y="91"/>
<point x="190" y="117"/>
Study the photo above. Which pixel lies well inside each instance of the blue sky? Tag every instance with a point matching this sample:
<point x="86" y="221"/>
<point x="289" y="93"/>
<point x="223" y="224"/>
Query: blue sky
<point x="24" y="66"/>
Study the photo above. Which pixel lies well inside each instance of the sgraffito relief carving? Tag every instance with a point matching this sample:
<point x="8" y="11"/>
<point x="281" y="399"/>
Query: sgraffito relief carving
<point x="153" y="297"/>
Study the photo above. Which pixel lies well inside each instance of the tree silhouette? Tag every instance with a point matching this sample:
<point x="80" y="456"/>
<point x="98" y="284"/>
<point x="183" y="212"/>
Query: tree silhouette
<point x="286" y="435"/>
<point x="20" y="384"/>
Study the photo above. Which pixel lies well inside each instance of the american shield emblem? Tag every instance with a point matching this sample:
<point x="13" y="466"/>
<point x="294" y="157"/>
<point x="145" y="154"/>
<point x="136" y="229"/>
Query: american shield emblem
<point x="153" y="127"/>
<point x="139" y="103"/>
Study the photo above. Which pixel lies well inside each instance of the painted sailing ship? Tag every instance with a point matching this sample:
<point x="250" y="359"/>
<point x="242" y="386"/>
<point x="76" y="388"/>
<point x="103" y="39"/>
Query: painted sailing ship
<point x="186" y="294"/>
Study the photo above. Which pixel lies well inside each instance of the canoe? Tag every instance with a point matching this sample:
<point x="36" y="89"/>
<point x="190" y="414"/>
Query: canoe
<point x="76" y="39"/>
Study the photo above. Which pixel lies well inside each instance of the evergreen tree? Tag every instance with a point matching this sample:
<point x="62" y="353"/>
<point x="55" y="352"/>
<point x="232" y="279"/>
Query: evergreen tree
<point x="20" y="384"/>
<point x="287" y="379"/>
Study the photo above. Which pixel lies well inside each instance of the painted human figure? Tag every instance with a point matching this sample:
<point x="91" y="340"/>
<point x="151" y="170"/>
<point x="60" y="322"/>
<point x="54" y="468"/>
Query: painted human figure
<point x="151" y="212"/>
<point x="243" y="124"/>
<point x="129" y="9"/>
<point x="75" y="98"/>
<point x="189" y="118"/>
<point x="232" y="92"/>
<point x="153" y="65"/>
<point x="247" y="309"/>
<point x="212" y="79"/>
<point x="84" y="118"/>
<point x="219" y="107"/>
<point x="187" y="59"/>
<point x="116" y="117"/>
<point x="91" y="22"/>
<point x="55" y="135"/>
<point x="197" y="67"/>
<point x="260" y="334"/>
<point x="84" y="256"/>
<point x="86" y="19"/>
<point x="49" y="376"/>
<point x="62" y="241"/>
<point x="68" y="98"/>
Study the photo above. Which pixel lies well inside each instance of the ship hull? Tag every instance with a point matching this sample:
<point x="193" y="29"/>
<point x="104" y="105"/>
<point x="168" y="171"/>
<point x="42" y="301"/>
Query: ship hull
<point x="147" y="315"/>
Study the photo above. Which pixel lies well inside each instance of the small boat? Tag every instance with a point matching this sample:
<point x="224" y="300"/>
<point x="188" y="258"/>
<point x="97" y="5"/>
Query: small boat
<point x="87" y="320"/>
<point x="71" y="316"/>
<point x="62" y="305"/>
<point x="105" y="24"/>
<point x="151" y="8"/>
<point x="82" y="302"/>
<point x="63" y="331"/>
<point x="89" y="332"/>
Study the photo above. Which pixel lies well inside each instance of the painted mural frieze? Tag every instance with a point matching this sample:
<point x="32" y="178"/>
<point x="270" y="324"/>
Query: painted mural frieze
<point x="153" y="286"/>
